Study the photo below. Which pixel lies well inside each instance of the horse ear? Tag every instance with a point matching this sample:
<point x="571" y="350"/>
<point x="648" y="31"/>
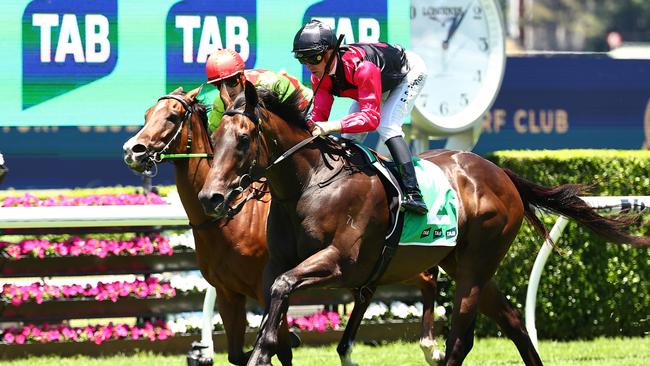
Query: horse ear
<point x="251" y="96"/>
<point x="225" y="97"/>
<point x="178" y="90"/>
<point x="193" y="93"/>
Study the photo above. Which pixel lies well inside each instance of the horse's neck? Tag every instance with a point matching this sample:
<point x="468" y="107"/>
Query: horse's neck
<point x="291" y="177"/>
<point x="191" y="174"/>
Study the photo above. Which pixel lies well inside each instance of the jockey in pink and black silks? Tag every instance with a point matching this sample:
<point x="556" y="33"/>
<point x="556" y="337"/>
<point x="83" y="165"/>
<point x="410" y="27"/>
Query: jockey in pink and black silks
<point x="383" y="79"/>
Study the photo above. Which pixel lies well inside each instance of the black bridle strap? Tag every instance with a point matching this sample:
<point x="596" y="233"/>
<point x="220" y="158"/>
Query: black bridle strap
<point x="252" y="116"/>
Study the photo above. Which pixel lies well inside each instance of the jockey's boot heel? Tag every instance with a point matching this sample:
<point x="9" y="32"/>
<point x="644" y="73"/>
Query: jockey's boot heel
<point x="401" y="154"/>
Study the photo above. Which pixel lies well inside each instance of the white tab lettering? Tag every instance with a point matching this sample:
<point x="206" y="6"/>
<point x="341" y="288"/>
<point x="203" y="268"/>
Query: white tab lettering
<point x="188" y="23"/>
<point x="237" y="35"/>
<point x="69" y="40"/>
<point x="45" y="22"/>
<point x="97" y="35"/>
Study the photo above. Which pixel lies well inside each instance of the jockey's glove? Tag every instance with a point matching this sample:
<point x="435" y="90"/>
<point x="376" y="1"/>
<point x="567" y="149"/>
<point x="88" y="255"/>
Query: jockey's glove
<point x="325" y="128"/>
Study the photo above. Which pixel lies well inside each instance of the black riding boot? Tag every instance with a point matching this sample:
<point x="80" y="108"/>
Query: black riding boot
<point x="401" y="154"/>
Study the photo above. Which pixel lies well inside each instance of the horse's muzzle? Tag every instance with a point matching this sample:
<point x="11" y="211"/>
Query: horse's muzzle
<point x="214" y="204"/>
<point x="135" y="156"/>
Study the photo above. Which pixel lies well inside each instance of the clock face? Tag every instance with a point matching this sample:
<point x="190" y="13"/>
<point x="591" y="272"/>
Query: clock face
<point x="462" y="44"/>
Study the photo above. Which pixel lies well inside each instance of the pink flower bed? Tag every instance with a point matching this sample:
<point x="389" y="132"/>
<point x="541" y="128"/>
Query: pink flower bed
<point x="95" y="333"/>
<point x="29" y="200"/>
<point x="39" y="292"/>
<point x="320" y="321"/>
<point x="76" y="246"/>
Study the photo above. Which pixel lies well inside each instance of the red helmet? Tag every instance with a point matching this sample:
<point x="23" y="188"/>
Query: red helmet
<point x="223" y="64"/>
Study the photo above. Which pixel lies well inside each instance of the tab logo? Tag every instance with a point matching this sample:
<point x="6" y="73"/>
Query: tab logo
<point x="197" y="28"/>
<point x="66" y="45"/>
<point x="425" y="233"/>
<point x="450" y="233"/>
<point x="360" y="21"/>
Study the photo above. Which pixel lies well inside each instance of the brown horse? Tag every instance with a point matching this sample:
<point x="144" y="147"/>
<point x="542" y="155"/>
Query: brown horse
<point x="329" y="215"/>
<point x="231" y="252"/>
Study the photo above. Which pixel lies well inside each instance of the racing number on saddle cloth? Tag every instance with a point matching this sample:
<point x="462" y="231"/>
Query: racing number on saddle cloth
<point x="440" y="225"/>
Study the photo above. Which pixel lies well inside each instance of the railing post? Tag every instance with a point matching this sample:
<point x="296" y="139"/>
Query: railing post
<point x="536" y="274"/>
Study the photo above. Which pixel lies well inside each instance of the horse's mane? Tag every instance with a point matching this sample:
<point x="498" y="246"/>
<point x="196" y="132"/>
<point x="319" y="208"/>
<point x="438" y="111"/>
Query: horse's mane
<point x="287" y="109"/>
<point x="196" y="107"/>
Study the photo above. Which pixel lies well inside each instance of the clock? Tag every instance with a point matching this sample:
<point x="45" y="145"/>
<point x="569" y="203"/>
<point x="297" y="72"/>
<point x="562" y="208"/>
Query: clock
<point x="462" y="43"/>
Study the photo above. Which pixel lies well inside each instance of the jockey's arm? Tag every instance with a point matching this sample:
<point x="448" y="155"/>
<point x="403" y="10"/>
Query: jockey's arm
<point x="323" y="100"/>
<point x="367" y="79"/>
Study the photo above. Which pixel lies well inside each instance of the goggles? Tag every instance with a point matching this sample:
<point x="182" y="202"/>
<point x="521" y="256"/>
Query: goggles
<point x="311" y="60"/>
<point x="230" y="82"/>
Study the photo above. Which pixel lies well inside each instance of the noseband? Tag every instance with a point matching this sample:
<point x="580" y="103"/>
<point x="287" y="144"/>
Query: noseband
<point x="158" y="156"/>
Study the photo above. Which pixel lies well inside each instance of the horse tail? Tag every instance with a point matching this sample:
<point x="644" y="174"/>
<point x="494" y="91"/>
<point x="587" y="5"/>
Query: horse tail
<point x="565" y="200"/>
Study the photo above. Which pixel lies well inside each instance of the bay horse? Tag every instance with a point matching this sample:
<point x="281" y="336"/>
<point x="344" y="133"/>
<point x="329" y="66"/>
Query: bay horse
<point x="329" y="215"/>
<point x="231" y="252"/>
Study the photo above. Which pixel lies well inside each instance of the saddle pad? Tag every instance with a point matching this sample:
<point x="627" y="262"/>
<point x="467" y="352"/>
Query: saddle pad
<point x="439" y="227"/>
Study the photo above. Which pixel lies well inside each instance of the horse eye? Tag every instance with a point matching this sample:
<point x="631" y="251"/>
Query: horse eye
<point x="244" y="141"/>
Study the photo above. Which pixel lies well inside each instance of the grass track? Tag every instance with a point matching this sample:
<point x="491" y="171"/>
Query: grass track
<point x="492" y="351"/>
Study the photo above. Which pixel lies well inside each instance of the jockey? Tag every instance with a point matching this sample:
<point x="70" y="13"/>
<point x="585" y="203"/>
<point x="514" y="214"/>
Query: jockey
<point x="226" y="66"/>
<point x="379" y="77"/>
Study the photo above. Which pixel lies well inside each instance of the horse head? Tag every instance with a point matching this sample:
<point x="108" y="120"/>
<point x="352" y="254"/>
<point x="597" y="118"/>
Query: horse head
<point x="239" y="155"/>
<point x="166" y="126"/>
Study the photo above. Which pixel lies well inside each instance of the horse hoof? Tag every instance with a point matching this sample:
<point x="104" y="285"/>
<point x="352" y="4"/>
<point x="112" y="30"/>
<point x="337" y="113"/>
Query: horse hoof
<point x="294" y="340"/>
<point x="196" y="358"/>
<point x="432" y="355"/>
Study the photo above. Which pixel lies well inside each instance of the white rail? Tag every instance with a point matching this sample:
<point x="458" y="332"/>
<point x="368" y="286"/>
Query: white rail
<point x="92" y="216"/>
<point x="611" y="204"/>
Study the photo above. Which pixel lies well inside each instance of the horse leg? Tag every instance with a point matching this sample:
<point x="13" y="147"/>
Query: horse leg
<point x="319" y="269"/>
<point x="344" y="349"/>
<point x="284" y="352"/>
<point x="232" y="308"/>
<point x="494" y="304"/>
<point x="427" y="283"/>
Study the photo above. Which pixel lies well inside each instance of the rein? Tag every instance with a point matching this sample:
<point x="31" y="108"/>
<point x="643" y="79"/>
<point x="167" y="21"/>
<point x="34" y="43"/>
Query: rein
<point x="159" y="156"/>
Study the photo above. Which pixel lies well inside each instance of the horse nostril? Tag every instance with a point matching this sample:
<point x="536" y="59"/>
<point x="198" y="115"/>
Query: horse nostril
<point x="139" y="149"/>
<point x="211" y="201"/>
<point x="216" y="199"/>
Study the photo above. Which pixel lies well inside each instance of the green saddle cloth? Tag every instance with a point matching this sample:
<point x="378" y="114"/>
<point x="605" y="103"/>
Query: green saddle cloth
<point x="440" y="225"/>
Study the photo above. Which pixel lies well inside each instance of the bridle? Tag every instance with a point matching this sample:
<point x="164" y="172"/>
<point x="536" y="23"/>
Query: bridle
<point x="155" y="157"/>
<point x="248" y="178"/>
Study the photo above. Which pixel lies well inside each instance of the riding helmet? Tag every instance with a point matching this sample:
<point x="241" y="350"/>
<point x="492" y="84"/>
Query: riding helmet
<point x="313" y="38"/>
<point x="223" y="64"/>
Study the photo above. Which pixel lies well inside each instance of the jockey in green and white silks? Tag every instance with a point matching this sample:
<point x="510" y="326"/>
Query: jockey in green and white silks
<point x="226" y="66"/>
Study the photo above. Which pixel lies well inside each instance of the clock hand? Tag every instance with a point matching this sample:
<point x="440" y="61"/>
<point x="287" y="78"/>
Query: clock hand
<point x="454" y="25"/>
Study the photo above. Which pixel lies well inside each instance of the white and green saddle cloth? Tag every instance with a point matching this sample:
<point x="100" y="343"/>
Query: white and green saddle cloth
<point x="439" y="227"/>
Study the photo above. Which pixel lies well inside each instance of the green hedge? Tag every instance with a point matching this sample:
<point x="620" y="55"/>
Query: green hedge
<point x="592" y="288"/>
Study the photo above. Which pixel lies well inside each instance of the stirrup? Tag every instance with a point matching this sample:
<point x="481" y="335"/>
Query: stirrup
<point x="414" y="203"/>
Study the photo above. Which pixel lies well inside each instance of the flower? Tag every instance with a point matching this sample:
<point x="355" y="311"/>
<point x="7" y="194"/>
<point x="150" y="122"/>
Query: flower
<point x="108" y="199"/>
<point x="320" y="321"/>
<point x="98" y="334"/>
<point x="40" y="292"/>
<point x="76" y="246"/>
